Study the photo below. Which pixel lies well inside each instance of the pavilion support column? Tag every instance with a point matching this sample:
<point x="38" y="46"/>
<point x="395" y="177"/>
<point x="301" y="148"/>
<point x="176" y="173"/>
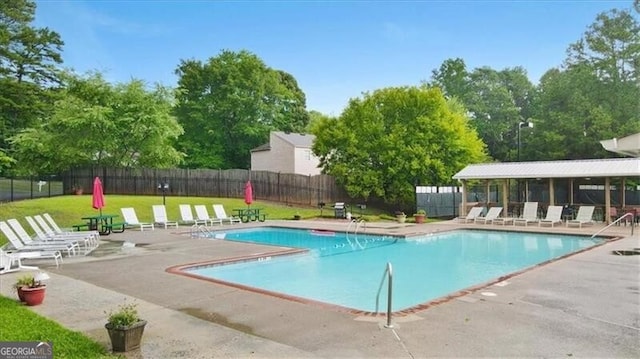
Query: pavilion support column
<point x="526" y="190"/>
<point x="505" y="196"/>
<point x="552" y="193"/>
<point x="463" y="210"/>
<point x="623" y="192"/>
<point x="607" y="200"/>
<point x="487" y="190"/>
<point x="571" y="180"/>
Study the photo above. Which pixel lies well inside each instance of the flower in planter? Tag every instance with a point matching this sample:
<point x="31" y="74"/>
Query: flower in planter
<point x="126" y="315"/>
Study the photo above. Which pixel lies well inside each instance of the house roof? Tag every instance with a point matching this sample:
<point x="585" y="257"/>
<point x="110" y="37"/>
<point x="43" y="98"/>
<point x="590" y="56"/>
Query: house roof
<point x="297" y="139"/>
<point x="617" y="167"/>
<point x="628" y="146"/>
<point x="264" y="147"/>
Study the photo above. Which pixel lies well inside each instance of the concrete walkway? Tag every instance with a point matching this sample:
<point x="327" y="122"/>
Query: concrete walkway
<point x="586" y="305"/>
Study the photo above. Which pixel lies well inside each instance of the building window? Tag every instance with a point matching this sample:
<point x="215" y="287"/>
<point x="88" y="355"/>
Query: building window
<point x="307" y="155"/>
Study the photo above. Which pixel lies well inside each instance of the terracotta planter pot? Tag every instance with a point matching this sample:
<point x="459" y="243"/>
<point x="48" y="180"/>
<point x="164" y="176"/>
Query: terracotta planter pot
<point x="20" y="294"/>
<point x="33" y="296"/>
<point x="420" y="218"/>
<point x="124" y="339"/>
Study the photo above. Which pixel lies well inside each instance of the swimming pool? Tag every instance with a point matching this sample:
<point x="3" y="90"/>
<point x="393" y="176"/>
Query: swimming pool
<point x="346" y="270"/>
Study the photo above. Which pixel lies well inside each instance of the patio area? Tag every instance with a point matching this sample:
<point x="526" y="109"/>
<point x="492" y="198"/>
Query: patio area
<point x="586" y="305"/>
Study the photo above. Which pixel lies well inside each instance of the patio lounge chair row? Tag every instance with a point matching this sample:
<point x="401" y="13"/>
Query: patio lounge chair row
<point x="161" y="218"/>
<point x="529" y="216"/>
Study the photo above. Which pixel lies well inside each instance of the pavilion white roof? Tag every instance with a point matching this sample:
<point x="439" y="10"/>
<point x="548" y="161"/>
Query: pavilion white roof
<point x="628" y="146"/>
<point x="616" y="167"/>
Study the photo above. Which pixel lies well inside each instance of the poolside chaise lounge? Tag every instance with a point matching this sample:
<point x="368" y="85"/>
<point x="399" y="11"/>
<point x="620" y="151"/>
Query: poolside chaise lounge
<point x="131" y="219"/>
<point x="529" y="214"/>
<point x="554" y="216"/>
<point x="471" y="216"/>
<point x="493" y="213"/>
<point x="44" y="248"/>
<point x="89" y="239"/>
<point x="186" y="216"/>
<point x="12" y="261"/>
<point x="160" y="216"/>
<point x="94" y="234"/>
<point x="70" y="245"/>
<point x="203" y="214"/>
<point x="584" y="216"/>
<point x="221" y="214"/>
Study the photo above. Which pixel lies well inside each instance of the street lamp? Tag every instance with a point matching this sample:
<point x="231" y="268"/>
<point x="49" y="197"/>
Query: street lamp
<point x="520" y="125"/>
<point x="163" y="186"/>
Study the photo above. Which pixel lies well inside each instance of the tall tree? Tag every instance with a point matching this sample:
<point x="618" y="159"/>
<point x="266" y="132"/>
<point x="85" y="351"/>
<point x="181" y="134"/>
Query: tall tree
<point x="595" y="96"/>
<point x="228" y="106"/>
<point x="391" y="139"/>
<point x="99" y="124"/>
<point x="497" y="101"/>
<point x="28" y="60"/>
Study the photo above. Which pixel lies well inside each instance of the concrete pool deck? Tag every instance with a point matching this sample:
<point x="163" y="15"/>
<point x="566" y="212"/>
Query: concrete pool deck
<point x="586" y="305"/>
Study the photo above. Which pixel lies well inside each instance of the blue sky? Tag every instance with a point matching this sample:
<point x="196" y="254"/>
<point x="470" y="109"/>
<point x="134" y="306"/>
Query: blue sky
<point x="335" y="49"/>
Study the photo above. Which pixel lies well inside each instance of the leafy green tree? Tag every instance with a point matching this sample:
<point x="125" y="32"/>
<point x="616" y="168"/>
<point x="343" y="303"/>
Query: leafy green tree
<point x="315" y="118"/>
<point x="228" y="106"/>
<point x="595" y="96"/>
<point x="28" y="69"/>
<point x="496" y="101"/>
<point x="391" y="139"/>
<point x="99" y="124"/>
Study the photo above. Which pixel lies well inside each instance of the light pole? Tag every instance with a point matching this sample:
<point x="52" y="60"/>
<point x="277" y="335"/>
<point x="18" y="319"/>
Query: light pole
<point x="164" y="186"/>
<point x="520" y="125"/>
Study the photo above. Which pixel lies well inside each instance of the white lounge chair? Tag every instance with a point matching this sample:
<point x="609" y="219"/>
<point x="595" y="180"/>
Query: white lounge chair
<point x="186" y="216"/>
<point x="44" y="247"/>
<point x="584" y="216"/>
<point x="529" y="214"/>
<point x="493" y="213"/>
<point x="70" y="245"/>
<point x="131" y="219"/>
<point x="160" y="216"/>
<point x="89" y="240"/>
<point x="58" y="230"/>
<point x="12" y="261"/>
<point x="218" y="209"/>
<point x="203" y="214"/>
<point x="472" y="215"/>
<point x="554" y="215"/>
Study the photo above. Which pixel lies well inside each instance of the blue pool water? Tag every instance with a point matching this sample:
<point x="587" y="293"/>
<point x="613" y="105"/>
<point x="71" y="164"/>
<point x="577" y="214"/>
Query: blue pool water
<point x="347" y="270"/>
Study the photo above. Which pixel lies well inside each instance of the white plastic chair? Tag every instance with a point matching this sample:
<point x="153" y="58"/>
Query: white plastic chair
<point x="130" y="217"/>
<point x="160" y="216"/>
<point x="554" y="215"/>
<point x="203" y="215"/>
<point x="222" y="215"/>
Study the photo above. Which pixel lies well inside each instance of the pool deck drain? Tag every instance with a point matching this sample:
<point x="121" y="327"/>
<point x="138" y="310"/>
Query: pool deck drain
<point x="586" y="305"/>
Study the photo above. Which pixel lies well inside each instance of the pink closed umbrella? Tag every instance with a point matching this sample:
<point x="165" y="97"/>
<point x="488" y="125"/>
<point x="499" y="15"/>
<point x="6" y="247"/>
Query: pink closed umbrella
<point x="98" y="195"/>
<point x="248" y="193"/>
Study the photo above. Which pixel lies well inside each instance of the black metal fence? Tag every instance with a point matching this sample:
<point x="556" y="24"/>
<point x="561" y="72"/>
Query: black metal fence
<point x="20" y="188"/>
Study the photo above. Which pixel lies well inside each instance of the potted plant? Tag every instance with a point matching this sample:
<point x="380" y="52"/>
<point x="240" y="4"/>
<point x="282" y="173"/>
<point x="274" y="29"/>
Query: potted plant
<point x="77" y="189"/>
<point x="23" y="281"/>
<point x="401" y="217"/>
<point x="33" y="290"/>
<point x="420" y="216"/>
<point x="125" y="327"/>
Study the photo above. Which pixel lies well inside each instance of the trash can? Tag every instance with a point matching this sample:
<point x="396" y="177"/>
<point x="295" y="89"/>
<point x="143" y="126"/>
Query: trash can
<point x="339" y="210"/>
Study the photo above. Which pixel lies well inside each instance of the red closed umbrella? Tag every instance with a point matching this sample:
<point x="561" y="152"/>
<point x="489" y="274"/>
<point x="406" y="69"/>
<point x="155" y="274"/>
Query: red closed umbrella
<point x="248" y="193"/>
<point x="98" y="195"/>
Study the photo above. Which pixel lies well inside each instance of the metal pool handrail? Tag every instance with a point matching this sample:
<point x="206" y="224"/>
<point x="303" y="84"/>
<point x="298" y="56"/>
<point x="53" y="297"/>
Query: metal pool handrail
<point x="616" y="221"/>
<point x="388" y="273"/>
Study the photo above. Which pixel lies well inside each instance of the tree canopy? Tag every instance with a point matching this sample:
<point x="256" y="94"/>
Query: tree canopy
<point x="97" y="123"/>
<point x="389" y="140"/>
<point x="228" y="106"/>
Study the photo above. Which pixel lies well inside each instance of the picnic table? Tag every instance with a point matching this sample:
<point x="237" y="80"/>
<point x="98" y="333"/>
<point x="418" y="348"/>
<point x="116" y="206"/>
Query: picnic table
<point x="103" y="223"/>
<point x="250" y="214"/>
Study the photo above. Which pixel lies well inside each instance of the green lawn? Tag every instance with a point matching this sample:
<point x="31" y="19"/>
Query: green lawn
<point x="21" y="324"/>
<point x="68" y="210"/>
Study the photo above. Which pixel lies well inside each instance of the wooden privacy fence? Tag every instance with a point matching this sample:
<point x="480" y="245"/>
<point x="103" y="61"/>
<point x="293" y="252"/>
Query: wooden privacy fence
<point x="269" y="186"/>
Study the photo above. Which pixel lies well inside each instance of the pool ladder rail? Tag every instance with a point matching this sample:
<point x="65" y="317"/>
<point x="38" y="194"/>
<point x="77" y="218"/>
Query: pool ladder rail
<point x="388" y="274"/>
<point x="200" y="231"/>
<point x="631" y="215"/>
<point x="357" y="222"/>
